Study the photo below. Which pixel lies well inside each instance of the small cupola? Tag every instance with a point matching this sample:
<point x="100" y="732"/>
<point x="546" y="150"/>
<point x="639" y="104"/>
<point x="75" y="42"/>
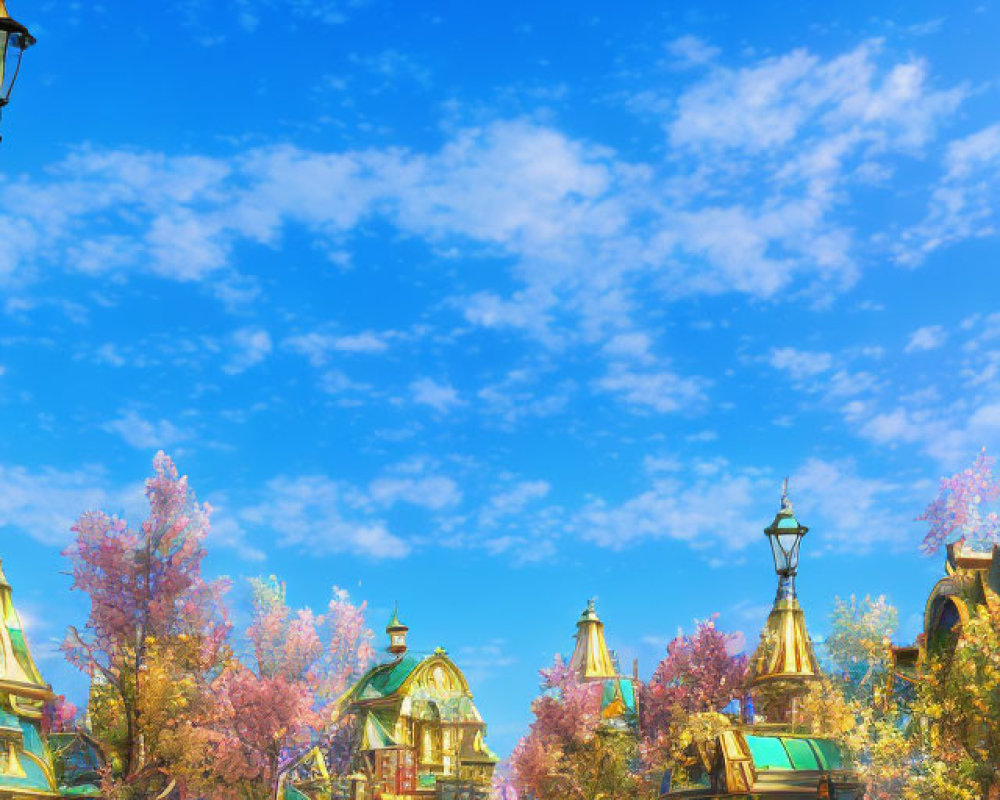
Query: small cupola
<point x="397" y="633"/>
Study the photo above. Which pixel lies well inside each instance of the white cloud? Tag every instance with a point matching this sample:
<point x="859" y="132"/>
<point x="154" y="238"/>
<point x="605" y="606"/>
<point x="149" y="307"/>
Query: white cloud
<point x="482" y="662"/>
<point x="662" y="391"/>
<point x="715" y="505"/>
<point x="439" y="396"/>
<point x="768" y="104"/>
<point x="724" y="509"/>
<point x="691" y="51"/>
<point x="856" y="512"/>
<point x="318" y="347"/>
<point x="322" y="516"/>
<point x="146" y="434"/>
<point x="513" y="500"/>
<point x="929" y="337"/>
<point x="965" y="202"/>
<point x="522" y="394"/>
<point x="800" y="364"/>
<point x="250" y="347"/>
<point x="336" y="382"/>
<point x="45" y="503"/>
<point x="432" y="491"/>
<point x="589" y="237"/>
<point x="226" y="531"/>
<point x="633" y="344"/>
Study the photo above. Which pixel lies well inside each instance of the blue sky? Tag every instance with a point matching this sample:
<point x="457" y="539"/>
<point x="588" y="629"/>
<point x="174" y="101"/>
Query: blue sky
<point x="490" y="308"/>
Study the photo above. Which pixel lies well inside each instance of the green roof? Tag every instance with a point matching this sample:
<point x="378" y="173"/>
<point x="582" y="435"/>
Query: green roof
<point x="793" y="753"/>
<point x="386" y="678"/>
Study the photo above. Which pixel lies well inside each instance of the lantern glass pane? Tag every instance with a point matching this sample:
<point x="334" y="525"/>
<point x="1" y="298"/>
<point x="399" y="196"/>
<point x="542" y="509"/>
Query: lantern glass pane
<point x="788" y="541"/>
<point x="791" y="547"/>
<point x="4" y="43"/>
<point x="779" y="556"/>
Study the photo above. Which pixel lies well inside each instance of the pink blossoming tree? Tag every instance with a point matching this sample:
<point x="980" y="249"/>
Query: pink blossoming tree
<point x="565" y="755"/>
<point x="279" y="702"/>
<point x="682" y="702"/>
<point x="157" y="628"/>
<point x="961" y="509"/>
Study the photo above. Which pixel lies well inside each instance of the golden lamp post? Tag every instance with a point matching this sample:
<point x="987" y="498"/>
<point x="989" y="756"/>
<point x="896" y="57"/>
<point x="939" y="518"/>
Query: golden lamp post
<point x="785" y="663"/>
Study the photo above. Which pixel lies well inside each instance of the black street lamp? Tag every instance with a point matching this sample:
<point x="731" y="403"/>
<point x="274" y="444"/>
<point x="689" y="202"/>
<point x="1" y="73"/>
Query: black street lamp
<point x="785" y="535"/>
<point x="14" y="40"/>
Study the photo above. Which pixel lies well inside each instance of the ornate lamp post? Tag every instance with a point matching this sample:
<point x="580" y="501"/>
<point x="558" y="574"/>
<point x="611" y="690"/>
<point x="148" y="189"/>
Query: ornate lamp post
<point x="785" y="657"/>
<point x="14" y="40"/>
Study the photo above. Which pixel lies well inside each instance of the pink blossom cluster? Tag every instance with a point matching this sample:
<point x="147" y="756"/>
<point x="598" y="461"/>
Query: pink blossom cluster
<point x="959" y="511"/>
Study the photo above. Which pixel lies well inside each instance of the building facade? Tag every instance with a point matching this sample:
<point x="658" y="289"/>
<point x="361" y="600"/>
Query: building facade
<point x="26" y="769"/>
<point x="33" y="765"/>
<point x="418" y="732"/>
<point x="971" y="580"/>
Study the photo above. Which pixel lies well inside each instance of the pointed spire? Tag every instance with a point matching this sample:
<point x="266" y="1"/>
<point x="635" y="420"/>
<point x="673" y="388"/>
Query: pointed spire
<point x="19" y="677"/>
<point x="394" y="623"/>
<point x="785" y="651"/>
<point x="591" y="659"/>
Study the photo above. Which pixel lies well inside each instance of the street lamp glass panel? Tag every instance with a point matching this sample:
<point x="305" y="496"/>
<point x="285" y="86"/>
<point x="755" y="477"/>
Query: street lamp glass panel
<point x="785" y="548"/>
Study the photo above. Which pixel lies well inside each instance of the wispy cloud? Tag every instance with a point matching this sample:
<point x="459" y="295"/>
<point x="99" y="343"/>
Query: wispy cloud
<point x="250" y="346"/>
<point x="929" y="337"/>
<point x="145" y="434"/>
<point x="442" y="397"/>
<point x="324" y="517"/>
<point x="663" y="391"/>
<point x="319" y="347"/>
<point x="44" y="503"/>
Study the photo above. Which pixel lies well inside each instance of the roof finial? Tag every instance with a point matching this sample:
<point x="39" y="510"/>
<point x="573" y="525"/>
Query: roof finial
<point x="786" y="504"/>
<point x="592" y="605"/>
<point x="394" y="623"/>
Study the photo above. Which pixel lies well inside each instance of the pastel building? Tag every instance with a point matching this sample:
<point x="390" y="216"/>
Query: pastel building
<point x="25" y="762"/>
<point x="418" y="731"/>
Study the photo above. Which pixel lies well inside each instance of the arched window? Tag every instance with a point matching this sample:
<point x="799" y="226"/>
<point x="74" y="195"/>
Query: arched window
<point x="945" y="625"/>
